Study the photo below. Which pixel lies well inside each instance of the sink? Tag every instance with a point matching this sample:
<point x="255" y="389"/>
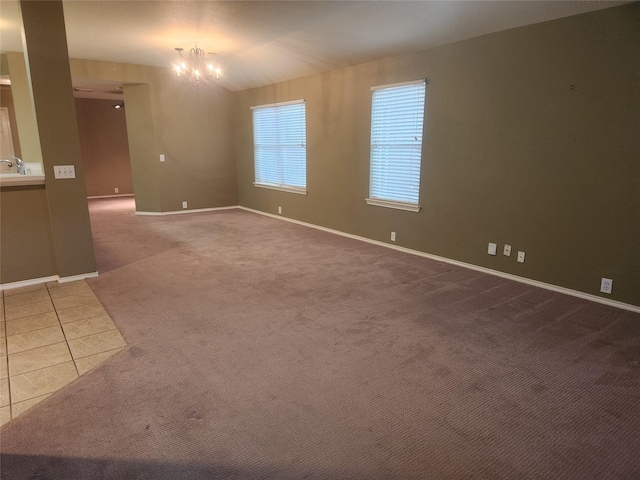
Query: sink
<point x="34" y="176"/>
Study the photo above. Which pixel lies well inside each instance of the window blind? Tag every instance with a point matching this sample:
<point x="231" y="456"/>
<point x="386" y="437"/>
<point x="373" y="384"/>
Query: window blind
<point x="280" y="151"/>
<point x="397" y="116"/>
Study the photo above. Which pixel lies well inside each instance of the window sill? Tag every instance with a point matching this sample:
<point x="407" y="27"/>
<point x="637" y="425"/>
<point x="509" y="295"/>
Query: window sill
<point x="299" y="191"/>
<point x="410" y="207"/>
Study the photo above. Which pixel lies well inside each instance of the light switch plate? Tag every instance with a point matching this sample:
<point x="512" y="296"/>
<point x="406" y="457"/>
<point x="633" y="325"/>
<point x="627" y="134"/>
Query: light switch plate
<point x="507" y="251"/>
<point x="64" y="171"/>
<point x="493" y="248"/>
<point x="521" y="257"/>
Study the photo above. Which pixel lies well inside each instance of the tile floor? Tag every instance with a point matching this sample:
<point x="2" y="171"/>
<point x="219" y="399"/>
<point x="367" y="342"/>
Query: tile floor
<point x="50" y="334"/>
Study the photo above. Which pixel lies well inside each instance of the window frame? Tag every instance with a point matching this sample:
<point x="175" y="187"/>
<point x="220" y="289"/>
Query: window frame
<point x="390" y="202"/>
<point x="280" y="186"/>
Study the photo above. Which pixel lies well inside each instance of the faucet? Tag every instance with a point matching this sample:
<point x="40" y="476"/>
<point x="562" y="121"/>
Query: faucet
<point x="15" y="162"/>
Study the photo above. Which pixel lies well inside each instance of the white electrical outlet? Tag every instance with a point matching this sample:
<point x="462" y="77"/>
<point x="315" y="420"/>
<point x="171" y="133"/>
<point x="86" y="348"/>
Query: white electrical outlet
<point x="117" y="190"/>
<point x="64" y="171"/>
<point x="184" y="204"/>
<point x="521" y="257"/>
<point x="393" y="236"/>
<point x="493" y="249"/>
<point x="606" y="285"/>
<point x="279" y="210"/>
<point x="162" y="157"/>
<point x="507" y="251"/>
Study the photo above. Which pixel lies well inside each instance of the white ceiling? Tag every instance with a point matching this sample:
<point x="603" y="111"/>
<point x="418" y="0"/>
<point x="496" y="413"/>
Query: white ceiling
<point x="262" y="42"/>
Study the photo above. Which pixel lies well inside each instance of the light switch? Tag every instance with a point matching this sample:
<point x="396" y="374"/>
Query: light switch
<point x="493" y="248"/>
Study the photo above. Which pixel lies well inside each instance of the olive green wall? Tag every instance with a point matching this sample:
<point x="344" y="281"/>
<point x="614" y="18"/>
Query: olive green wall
<point x="105" y="149"/>
<point x="530" y="139"/>
<point x="142" y="148"/>
<point x="194" y="131"/>
<point x="25" y="235"/>
<point x="48" y="66"/>
<point x="192" y="128"/>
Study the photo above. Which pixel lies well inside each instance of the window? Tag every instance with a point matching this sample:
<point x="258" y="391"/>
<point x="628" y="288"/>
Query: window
<point x="280" y="146"/>
<point x="397" y="114"/>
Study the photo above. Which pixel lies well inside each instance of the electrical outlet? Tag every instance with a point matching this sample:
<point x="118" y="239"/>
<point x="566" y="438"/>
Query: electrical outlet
<point x="521" y="257"/>
<point x="184" y="204"/>
<point x="279" y="210"/>
<point x="606" y="285"/>
<point x="493" y="248"/>
<point x="64" y="171"/>
<point x="393" y="236"/>
<point x="117" y="190"/>
<point x="507" y="251"/>
<point x="162" y="157"/>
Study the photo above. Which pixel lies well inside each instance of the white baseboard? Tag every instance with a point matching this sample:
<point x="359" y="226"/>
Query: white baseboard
<point x="111" y="196"/>
<point x="53" y="278"/>
<point x="27" y="283"/>
<point x="178" y="212"/>
<point x="75" y="278"/>
<point x="528" y="281"/>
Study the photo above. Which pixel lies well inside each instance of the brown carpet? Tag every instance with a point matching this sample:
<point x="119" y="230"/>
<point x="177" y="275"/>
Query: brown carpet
<point x="261" y="349"/>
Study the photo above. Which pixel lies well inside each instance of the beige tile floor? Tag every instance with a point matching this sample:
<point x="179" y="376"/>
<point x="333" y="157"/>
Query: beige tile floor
<point x="49" y="335"/>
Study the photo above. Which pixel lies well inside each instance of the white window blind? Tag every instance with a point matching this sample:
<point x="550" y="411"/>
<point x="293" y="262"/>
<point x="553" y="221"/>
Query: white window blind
<point x="280" y="146"/>
<point x="397" y="115"/>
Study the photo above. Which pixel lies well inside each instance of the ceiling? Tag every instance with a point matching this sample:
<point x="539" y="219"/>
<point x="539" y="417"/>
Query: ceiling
<point x="262" y="42"/>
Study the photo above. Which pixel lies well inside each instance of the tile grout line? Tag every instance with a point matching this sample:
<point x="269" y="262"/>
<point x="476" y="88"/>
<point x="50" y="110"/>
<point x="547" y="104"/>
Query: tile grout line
<point x="40" y="368"/>
<point x="52" y="326"/>
<point x="63" y="333"/>
<point x="26" y="316"/>
<point x="6" y="348"/>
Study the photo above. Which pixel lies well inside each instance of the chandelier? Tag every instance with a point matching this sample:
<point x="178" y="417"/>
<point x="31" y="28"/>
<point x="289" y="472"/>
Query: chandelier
<point x="193" y="68"/>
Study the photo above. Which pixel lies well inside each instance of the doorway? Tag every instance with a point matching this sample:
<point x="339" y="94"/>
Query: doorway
<point x="104" y="141"/>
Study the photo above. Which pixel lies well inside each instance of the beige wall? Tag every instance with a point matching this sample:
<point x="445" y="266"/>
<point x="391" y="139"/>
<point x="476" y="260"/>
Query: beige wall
<point x="25" y="114"/>
<point x="6" y="100"/>
<point x="531" y="139"/>
<point x="105" y="148"/>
